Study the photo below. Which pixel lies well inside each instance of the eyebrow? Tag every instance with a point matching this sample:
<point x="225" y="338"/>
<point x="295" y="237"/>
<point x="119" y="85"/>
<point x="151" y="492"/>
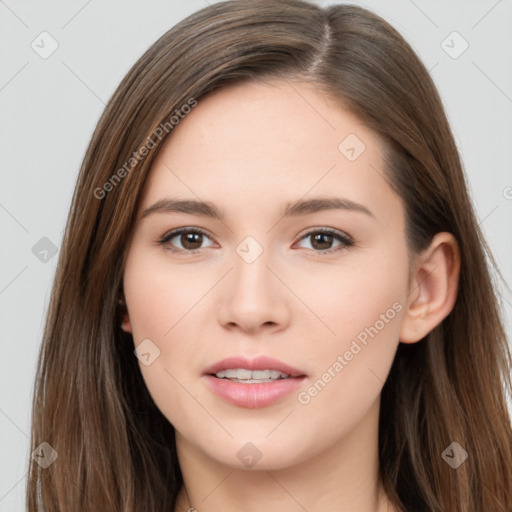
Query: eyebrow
<point x="293" y="209"/>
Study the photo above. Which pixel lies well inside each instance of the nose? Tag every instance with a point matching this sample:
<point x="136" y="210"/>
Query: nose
<point x="253" y="297"/>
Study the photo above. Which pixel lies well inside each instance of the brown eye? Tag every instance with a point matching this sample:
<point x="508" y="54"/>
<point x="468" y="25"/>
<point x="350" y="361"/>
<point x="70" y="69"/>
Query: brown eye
<point x="321" y="240"/>
<point x="184" y="240"/>
<point x="191" y="241"/>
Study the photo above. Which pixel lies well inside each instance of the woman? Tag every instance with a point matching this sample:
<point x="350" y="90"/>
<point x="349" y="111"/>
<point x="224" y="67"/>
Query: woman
<point x="273" y="291"/>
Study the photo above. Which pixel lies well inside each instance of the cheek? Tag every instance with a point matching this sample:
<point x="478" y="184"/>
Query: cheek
<point x="158" y="306"/>
<point x="164" y="305"/>
<point x="352" y="365"/>
<point x="362" y="292"/>
<point x="158" y="296"/>
<point x="362" y="306"/>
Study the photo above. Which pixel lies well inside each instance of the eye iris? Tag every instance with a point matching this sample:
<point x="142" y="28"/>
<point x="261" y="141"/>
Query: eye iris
<point x="191" y="240"/>
<point x="324" y="239"/>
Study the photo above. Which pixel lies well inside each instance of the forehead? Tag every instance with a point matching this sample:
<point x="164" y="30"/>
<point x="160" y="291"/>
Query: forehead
<point x="267" y="143"/>
<point x="281" y="120"/>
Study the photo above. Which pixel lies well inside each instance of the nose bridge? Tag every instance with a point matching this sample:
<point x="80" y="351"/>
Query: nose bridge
<point x="254" y="295"/>
<point x="252" y="279"/>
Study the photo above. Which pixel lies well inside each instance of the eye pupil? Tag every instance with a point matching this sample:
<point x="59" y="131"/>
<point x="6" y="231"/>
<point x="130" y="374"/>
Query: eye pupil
<point x="192" y="240"/>
<point x="324" y="239"/>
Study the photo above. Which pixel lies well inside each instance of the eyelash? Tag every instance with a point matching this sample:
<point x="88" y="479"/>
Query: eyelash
<point x="346" y="242"/>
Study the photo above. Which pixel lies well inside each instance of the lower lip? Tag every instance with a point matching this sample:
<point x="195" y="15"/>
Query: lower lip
<point x="253" y="395"/>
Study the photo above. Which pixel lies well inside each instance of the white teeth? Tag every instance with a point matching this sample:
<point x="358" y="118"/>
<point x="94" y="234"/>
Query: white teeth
<point x="241" y="374"/>
<point x="264" y="374"/>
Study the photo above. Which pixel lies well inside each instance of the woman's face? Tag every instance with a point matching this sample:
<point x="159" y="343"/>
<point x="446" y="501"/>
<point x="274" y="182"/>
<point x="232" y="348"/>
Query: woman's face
<point x="322" y="289"/>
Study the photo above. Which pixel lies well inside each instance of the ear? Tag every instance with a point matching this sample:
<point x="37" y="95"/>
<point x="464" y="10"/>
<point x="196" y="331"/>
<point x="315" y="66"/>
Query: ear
<point x="125" y="324"/>
<point x="433" y="288"/>
<point x="125" y="318"/>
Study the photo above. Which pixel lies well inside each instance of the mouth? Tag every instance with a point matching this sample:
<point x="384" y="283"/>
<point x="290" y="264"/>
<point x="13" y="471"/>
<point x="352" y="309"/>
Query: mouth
<point x="244" y="369"/>
<point x="251" y="376"/>
<point x="252" y="383"/>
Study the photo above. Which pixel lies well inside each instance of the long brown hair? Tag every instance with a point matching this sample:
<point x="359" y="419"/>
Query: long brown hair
<point x="116" y="450"/>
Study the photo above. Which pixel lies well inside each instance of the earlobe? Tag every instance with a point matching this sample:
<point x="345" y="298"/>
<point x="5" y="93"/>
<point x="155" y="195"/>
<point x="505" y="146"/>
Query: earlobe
<point x="433" y="289"/>
<point x="125" y="324"/>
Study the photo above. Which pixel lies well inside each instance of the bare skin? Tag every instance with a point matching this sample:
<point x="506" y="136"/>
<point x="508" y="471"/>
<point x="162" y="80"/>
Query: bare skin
<point x="250" y="149"/>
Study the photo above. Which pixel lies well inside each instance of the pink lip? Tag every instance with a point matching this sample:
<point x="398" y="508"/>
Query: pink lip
<point x="253" y="395"/>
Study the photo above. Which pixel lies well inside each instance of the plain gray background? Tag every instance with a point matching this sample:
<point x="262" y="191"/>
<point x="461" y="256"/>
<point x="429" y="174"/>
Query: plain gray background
<point x="49" y="107"/>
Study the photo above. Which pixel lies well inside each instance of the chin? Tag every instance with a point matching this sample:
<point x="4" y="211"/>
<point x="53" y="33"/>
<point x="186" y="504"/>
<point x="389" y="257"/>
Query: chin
<point x="258" y="454"/>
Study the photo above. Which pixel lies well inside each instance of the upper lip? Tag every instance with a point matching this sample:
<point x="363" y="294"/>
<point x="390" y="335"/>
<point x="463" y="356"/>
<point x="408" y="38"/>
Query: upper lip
<point x="255" y="363"/>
